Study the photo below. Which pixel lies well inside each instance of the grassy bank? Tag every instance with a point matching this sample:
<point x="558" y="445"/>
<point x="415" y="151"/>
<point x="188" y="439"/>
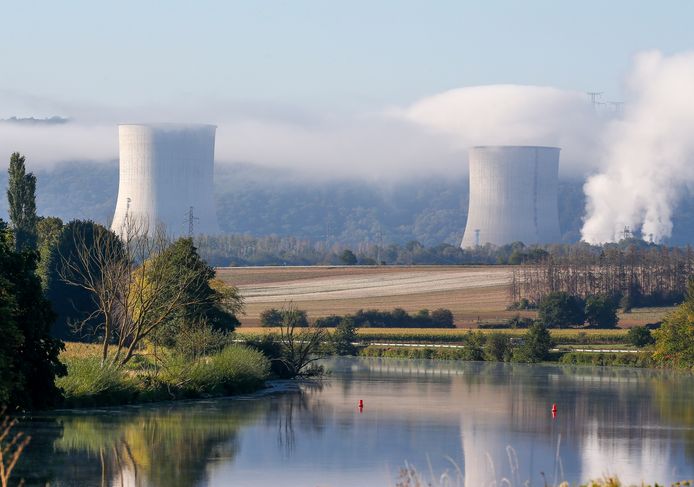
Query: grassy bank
<point x="457" y="335"/>
<point x="159" y="377"/>
<point x="639" y="359"/>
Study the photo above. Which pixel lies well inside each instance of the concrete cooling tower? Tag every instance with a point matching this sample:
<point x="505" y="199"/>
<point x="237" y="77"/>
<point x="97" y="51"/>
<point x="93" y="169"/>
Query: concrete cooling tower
<point x="513" y="195"/>
<point x="166" y="177"/>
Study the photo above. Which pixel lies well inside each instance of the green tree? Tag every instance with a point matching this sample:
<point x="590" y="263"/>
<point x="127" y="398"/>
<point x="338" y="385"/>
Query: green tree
<point x="79" y="317"/>
<point x="48" y="231"/>
<point x="348" y="258"/>
<point x="601" y="311"/>
<point x="674" y="340"/>
<point x="274" y="317"/>
<point x="343" y="338"/>
<point x="21" y="197"/>
<point x="498" y="347"/>
<point x="271" y="317"/>
<point x="25" y="319"/>
<point x="205" y="301"/>
<point x="560" y="309"/>
<point x="537" y="343"/>
<point x="443" y="318"/>
<point x="640" y="336"/>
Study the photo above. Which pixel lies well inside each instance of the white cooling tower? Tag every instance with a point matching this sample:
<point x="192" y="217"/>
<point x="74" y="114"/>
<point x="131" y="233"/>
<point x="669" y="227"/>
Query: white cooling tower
<point x="166" y="177"/>
<point x="513" y="195"/>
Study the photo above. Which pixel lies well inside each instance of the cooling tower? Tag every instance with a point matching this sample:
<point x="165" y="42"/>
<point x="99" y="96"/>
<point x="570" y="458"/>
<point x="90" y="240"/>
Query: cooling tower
<point x="513" y="195"/>
<point x="165" y="171"/>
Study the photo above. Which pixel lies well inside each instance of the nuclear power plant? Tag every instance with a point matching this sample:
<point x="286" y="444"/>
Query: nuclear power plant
<point x="166" y="178"/>
<point x="513" y="196"/>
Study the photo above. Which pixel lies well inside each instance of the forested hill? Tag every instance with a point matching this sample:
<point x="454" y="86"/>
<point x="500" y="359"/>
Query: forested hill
<point x="261" y="201"/>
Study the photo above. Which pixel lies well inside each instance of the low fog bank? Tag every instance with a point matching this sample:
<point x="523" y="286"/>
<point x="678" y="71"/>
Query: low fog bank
<point x="637" y="161"/>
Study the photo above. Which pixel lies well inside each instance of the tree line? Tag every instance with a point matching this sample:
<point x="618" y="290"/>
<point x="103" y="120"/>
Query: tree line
<point x="631" y="273"/>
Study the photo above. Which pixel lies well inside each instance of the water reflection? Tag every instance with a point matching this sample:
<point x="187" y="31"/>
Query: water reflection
<point x="639" y="424"/>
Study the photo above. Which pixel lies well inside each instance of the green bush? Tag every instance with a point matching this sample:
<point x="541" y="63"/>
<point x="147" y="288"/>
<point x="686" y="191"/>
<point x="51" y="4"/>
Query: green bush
<point x="560" y="309"/>
<point x="419" y="353"/>
<point x="601" y="311"/>
<point x="640" y="336"/>
<point x="342" y="339"/>
<point x="199" y="340"/>
<point x="498" y="347"/>
<point x="238" y="368"/>
<point x="277" y="317"/>
<point x="87" y="382"/>
<point x="603" y="359"/>
<point x="537" y="343"/>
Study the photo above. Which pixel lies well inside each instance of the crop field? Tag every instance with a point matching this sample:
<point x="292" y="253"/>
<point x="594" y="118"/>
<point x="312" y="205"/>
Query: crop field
<point x="475" y="294"/>
<point x="434" y="335"/>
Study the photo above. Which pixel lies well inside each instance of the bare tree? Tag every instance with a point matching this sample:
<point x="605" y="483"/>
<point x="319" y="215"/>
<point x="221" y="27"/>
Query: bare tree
<point x="300" y="345"/>
<point x="11" y="447"/>
<point x="135" y="292"/>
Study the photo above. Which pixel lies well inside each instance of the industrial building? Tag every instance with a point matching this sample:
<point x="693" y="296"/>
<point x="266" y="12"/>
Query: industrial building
<point x="513" y="196"/>
<point x="166" y="178"/>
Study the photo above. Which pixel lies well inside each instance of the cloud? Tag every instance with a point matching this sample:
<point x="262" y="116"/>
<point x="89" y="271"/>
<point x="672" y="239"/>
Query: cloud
<point x="649" y="151"/>
<point x="430" y="136"/>
<point x="516" y="115"/>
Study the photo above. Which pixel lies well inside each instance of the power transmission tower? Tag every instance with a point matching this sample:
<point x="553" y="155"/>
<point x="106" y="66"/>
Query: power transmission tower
<point x="594" y="96"/>
<point x="191" y="222"/>
<point x="617" y="106"/>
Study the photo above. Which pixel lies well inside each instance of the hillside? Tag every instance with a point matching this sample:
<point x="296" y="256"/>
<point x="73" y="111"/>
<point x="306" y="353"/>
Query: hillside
<point x="261" y="201"/>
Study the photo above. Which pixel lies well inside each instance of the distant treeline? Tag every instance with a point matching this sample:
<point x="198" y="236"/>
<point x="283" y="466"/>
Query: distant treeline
<point x="243" y="250"/>
<point x="397" y="318"/>
<point x="634" y="273"/>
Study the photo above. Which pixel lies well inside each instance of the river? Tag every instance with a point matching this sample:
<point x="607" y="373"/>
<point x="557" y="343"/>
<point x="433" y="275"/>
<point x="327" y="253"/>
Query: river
<point x="475" y="422"/>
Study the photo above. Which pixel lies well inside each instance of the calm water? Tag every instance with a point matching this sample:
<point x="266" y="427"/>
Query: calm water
<point x="486" y="418"/>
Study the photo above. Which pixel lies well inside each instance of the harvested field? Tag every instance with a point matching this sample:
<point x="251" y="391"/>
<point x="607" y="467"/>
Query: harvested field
<point x="475" y="294"/>
<point x="472" y="293"/>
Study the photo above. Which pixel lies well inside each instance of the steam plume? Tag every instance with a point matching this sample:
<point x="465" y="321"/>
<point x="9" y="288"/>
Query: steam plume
<point x="647" y="166"/>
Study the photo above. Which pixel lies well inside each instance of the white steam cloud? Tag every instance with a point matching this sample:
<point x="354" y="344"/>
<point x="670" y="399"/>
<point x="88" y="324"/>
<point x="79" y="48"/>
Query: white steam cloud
<point x="647" y="165"/>
<point x="640" y="161"/>
<point x="430" y="136"/>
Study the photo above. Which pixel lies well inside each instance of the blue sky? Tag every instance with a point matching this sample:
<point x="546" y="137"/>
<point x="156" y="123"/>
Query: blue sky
<point x="323" y="54"/>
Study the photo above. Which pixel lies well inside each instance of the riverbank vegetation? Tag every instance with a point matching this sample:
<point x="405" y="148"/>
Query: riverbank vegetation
<point x="159" y="375"/>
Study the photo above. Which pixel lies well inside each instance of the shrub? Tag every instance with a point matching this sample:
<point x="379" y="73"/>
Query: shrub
<point x="200" y="340"/>
<point x="605" y="359"/>
<point x="474" y="342"/>
<point x="271" y="317"/>
<point x="275" y="317"/>
<point x="343" y="337"/>
<point x="442" y="317"/>
<point x="330" y="321"/>
<point x="536" y="346"/>
<point x="560" y="309"/>
<point x="674" y="340"/>
<point x="601" y="311"/>
<point x="498" y="347"/>
<point x="640" y="336"/>
<point x="238" y="368"/>
<point x="88" y="382"/>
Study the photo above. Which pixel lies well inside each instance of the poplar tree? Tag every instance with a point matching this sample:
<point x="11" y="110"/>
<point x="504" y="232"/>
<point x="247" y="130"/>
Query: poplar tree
<point x="21" y="196"/>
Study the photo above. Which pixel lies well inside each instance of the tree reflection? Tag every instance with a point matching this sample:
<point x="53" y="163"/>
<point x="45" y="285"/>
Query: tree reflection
<point x="145" y="447"/>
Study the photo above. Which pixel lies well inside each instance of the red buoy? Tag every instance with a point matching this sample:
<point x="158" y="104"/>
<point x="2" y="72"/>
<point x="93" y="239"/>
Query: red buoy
<point x="361" y="403"/>
<point x="554" y="410"/>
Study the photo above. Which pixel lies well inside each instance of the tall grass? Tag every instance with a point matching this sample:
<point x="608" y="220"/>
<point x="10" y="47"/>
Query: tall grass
<point x="234" y="369"/>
